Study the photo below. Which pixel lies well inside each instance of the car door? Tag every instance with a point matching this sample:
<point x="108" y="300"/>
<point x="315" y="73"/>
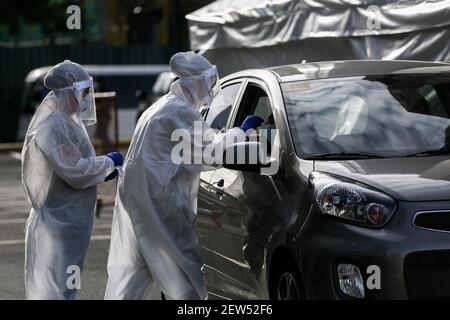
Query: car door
<point x="244" y="214"/>
<point x="216" y="115"/>
<point x="203" y="224"/>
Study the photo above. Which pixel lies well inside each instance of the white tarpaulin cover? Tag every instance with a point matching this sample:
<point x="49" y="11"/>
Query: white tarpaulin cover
<point x="257" y="33"/>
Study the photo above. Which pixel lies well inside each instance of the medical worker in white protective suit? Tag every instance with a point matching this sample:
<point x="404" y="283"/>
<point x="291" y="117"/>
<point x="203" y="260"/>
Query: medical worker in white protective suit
<point x="154" y="244"/>
<point x="60" y="172"/>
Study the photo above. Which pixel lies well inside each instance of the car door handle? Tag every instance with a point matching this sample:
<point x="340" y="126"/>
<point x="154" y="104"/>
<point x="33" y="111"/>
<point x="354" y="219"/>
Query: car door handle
<point x="219" y="184"/>
<point x="218" y="187"/>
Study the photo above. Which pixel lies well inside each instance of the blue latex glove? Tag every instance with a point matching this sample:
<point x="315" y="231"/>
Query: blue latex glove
<point x="112" y="176"/>
<point x="116" y="157"/>
<point x="251" y="122"/>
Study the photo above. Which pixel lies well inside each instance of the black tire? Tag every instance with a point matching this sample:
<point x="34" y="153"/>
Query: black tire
<point x="286" y="284"/>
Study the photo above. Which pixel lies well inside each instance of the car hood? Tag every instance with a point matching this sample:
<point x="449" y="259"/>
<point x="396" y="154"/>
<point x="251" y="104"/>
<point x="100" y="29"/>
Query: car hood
<point x="406" y="179"/>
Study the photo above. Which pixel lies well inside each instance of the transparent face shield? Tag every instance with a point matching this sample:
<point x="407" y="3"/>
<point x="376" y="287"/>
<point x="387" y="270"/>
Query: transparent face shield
<point x="84" y="93"/>
<point x="215" y="95"/>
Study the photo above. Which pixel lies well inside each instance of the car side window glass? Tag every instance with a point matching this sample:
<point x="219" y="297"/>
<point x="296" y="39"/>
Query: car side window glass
<point x="216" y="116"/>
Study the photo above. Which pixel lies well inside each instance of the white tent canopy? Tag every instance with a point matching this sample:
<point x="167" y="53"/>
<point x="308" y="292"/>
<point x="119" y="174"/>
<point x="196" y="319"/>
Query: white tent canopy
<point x="257" y="33"/>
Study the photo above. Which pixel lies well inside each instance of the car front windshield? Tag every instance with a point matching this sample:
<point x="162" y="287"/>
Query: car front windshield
<point x="374" y="116"/>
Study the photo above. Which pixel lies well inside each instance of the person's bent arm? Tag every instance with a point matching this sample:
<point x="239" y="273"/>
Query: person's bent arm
<point x="210" y="149"/>
<point x="78" y="172"/>
<point x="210" y="145"/>
<point x="67" y="161"/>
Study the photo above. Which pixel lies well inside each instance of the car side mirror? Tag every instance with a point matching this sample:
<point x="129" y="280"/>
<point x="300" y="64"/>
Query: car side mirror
<point x="246" y="156"/>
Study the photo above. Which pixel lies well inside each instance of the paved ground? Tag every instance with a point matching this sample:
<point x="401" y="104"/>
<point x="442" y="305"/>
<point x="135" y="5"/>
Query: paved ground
<point x="14" y="211"/>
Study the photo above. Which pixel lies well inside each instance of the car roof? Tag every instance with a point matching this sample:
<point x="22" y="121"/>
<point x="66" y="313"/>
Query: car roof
<point x="107" y="70"/>
<point x="343" y="68"/>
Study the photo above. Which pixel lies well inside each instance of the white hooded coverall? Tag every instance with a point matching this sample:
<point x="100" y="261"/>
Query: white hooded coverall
<point x="154" y="244"/>
<point x="60" y="172"/>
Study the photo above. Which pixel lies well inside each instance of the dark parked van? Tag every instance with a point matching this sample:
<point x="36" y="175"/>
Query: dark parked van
<point x="126" y="80"/>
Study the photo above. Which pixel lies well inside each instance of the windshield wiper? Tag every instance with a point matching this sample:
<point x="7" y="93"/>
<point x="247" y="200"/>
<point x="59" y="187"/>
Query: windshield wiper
<point x="342" y="155"/>
<point x="425" y="153"/>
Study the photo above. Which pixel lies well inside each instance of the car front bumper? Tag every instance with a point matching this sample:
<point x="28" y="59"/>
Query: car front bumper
<point x="414" y="263"/>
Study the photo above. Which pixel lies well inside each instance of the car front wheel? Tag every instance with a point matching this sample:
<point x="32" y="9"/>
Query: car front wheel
<point x="287" y="285"/>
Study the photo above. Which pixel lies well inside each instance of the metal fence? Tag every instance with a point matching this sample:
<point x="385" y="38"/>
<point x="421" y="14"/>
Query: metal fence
<point x="15" y="64"/>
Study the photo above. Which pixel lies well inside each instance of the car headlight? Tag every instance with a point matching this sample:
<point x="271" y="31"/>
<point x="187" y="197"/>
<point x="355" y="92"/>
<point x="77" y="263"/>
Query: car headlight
<point x="352" y="201"/>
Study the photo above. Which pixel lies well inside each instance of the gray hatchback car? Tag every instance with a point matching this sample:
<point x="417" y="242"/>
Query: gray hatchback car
<point x="359" y="206"/>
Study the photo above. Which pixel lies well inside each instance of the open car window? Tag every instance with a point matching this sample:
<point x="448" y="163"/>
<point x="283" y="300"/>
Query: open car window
<point x="256" y="102"/>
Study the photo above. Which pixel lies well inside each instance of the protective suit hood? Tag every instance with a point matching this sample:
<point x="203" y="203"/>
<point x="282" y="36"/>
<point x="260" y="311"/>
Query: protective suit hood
<point x="198" y="78"/>
<point x="60" y="172"/>
<point x="72" y="92"/>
